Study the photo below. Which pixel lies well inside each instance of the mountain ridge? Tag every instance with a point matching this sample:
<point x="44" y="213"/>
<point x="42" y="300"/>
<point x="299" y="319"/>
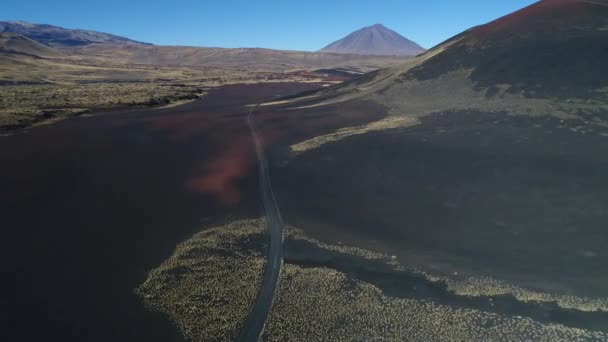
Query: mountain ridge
<point x="56" y="36"/>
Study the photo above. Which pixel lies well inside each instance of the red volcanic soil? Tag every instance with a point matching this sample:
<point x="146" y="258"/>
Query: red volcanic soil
<point x="230" y="160"/>
<point x="90" y="205"/>
<point x="546" y="17"/>
<point x="219" y="176"/>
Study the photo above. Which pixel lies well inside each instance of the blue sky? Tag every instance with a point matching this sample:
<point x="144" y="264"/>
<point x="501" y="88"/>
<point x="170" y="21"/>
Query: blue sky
<point x="295" y="25"/>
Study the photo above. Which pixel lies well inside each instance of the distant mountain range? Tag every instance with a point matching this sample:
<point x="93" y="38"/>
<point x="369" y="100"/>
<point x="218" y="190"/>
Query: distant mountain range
<point x="61" y="37"/>
<point x="375" y="40"/>
<point x="20" y="39"/>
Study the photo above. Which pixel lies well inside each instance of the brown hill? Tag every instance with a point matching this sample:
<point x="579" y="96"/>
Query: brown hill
<point x="242" y="58"/>
<point x="16" y="44"/>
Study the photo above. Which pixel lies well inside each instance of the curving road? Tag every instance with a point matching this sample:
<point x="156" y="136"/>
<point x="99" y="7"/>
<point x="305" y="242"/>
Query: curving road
<point x="254" y="326"/>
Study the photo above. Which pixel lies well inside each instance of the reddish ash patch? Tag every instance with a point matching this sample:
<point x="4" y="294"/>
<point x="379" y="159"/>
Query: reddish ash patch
<point x="233" y="160"/>
<point x="220" y="176"/>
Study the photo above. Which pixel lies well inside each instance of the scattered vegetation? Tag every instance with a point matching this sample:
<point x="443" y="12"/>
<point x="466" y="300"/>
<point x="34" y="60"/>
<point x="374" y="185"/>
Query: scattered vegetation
<point x="210" y="283"/>
<point x="485" y="286"/>
<point x="408" y="101"/>
<point x="319" y="304"/>
<point x="390" y="122"/>
<point x="35" y="89"/>
<point x="24" y="105"/>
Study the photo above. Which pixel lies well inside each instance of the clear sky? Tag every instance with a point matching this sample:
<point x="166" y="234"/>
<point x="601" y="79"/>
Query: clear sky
<point x="295" y="25"/>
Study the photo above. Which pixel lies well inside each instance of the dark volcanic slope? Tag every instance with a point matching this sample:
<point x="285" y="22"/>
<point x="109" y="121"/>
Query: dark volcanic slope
<point x="375" y="40"/>
<point x="504" y="173"/>
<point x="58" y="36"/>
<point x="553" y="51"/>
<point x="553" y="47"/>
